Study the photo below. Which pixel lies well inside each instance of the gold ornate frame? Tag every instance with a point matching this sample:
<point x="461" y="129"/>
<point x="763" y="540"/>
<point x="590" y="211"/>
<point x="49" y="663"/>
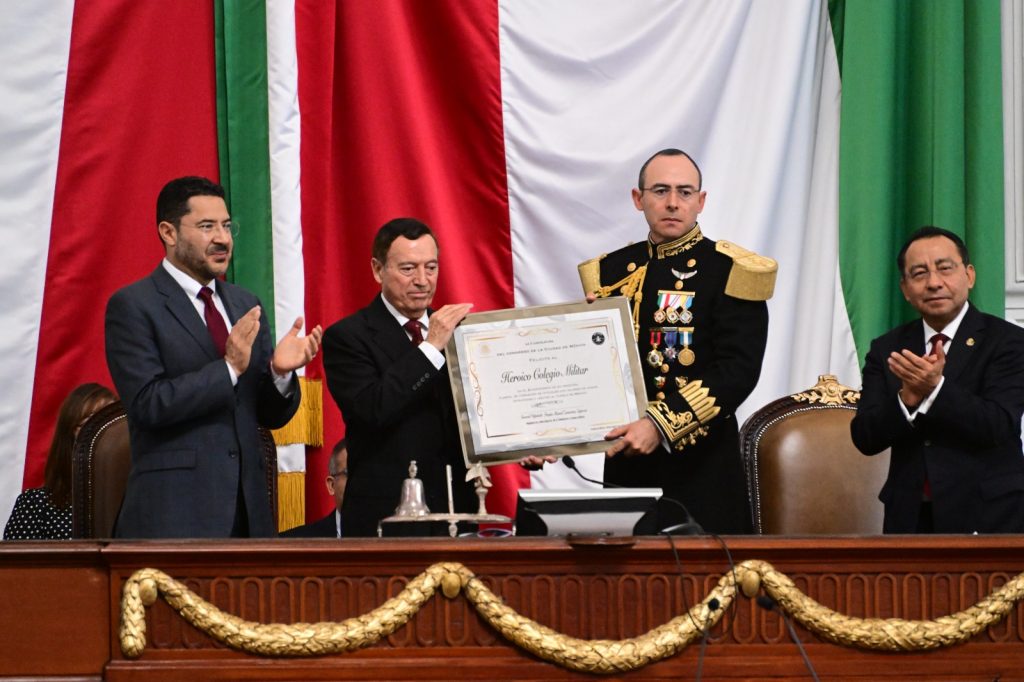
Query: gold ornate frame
<point x="616" y="307"/>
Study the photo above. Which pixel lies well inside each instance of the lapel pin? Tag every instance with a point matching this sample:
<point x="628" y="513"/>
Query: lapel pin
<point x="970" y="341"/>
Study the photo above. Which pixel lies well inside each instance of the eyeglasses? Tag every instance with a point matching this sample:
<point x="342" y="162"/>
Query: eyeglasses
<point x="920" y="274"/>
<point x="685" y="192"/>
<point x="208" y="226"/>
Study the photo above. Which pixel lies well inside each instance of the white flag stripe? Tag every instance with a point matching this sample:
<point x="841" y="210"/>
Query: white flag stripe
<point x="32" y="86"/>
<point x="751" y="90"/>
<point x="285" y="195"/>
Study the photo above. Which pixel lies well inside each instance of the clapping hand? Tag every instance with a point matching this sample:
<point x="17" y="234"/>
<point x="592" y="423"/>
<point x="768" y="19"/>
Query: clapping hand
<point x="294" y="351"/>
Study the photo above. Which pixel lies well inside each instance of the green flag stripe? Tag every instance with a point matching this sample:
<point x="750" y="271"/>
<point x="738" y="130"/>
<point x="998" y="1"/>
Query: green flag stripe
<point x="986" y="216"/>
<point x="921" y="143"/>
<point x="242" y="127"/>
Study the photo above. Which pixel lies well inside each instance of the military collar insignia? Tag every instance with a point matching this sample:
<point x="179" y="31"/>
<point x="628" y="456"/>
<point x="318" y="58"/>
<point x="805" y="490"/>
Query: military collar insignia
<point x="684" y="243"/>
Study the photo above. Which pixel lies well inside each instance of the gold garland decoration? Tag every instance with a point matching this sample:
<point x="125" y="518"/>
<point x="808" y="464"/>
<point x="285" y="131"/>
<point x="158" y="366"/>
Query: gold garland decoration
<point x="582" y="655"/>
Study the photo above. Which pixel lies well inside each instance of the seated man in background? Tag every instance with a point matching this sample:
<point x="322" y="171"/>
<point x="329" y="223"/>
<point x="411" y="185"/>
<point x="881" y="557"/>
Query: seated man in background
<point x="337" y="476"/>
<point x="386" y="372"/>
<point x="946" y="393"/>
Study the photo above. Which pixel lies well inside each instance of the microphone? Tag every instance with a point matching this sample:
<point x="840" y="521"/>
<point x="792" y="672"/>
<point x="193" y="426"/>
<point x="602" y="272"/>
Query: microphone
<point x="571" y="463"/>
<point x="767" y="603"/>
<point x="689" y="525"/>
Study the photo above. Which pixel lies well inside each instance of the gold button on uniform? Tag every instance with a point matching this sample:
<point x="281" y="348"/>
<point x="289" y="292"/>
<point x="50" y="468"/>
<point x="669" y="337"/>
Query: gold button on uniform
<point x="659" y="395"/>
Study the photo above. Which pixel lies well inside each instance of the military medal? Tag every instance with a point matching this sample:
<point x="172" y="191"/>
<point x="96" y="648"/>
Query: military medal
<point x="669" y="304"/>
<point x="659" y="382"/>
<point x="687" y="356"/>
<point x="670" y="345"/>
<point x="663" y="312"/>
<point x="686" y="316"/>
<point x="674" y="306"/>
<point x="655" y="358"/>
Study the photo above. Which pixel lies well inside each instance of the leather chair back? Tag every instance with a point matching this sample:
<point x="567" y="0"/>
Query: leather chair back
<point x="101" y="461"/>
<point x="804" y="475"/>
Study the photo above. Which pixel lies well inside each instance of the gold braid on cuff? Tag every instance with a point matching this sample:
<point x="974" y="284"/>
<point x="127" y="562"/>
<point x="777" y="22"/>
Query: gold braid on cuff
<point x="594" y="656"/>
<point x="684" y="428"/>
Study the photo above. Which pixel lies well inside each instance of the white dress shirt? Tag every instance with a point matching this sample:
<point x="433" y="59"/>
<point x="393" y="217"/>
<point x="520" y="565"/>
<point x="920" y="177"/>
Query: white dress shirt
<point x="191" y="288"/>
<point x="950" y="331"/>
<point x="435" y="356"/>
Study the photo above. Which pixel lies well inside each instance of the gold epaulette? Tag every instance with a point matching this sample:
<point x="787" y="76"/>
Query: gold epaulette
<point x="752" y="277"/>
<point x="590" y="276"/>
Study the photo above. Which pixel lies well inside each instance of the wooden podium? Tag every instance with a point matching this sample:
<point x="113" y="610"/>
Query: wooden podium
<point x="60" y="605"/>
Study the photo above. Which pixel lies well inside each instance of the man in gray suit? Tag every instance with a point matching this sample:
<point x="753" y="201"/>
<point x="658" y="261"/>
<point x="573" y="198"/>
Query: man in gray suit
<point x="192" y="360"/>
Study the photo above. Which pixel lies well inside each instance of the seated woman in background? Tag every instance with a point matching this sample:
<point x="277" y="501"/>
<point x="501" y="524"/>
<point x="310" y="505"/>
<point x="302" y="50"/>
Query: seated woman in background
<point x="45" y="513"/>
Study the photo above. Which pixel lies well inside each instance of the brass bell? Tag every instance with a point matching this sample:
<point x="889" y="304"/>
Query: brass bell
<point x="413" y="502"/>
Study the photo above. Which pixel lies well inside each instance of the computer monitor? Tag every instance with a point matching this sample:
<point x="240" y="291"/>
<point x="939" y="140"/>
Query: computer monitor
<point x="608" y="511"/>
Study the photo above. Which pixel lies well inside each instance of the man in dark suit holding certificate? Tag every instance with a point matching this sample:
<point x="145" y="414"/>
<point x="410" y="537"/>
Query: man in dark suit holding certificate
<point x="386" y="371"/>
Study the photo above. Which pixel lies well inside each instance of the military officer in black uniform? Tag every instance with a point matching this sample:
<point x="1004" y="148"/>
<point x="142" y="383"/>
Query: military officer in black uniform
<point x="701" y="322"/>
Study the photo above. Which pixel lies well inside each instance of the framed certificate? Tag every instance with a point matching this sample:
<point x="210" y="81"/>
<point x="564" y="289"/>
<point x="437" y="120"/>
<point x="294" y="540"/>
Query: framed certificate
<point x="547" y="380"/>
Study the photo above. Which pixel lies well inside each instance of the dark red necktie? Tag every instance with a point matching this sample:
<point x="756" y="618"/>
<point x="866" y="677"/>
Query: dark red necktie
<point x="415" y="331"/>
<point x="214" y="320"/>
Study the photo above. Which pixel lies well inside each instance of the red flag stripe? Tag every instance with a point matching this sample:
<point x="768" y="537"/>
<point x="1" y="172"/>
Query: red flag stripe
<point x="139" y="109"/>
<point x="401" y="115"/>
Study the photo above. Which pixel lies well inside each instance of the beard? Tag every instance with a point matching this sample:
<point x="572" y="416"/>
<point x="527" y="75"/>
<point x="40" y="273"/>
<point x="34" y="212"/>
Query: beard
<point x="196" y="262"/>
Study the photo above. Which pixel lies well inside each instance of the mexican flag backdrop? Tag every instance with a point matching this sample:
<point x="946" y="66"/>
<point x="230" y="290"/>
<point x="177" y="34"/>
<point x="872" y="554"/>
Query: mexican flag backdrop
<point x="826" y="131"/>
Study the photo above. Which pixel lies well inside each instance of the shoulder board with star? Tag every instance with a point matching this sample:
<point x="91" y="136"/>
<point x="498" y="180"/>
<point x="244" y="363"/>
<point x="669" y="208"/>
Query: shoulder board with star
<point x="752" y="277"/>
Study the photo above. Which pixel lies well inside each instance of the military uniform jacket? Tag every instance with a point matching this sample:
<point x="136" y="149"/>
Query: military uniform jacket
<point x="701" y="323"/>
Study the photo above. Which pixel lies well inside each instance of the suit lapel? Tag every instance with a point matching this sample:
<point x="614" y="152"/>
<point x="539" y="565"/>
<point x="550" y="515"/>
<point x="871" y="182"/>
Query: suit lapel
<point x="912" y="338"/>
<point x="231" y="303"/>
<point x="972" y="328"/>
<point x="389" y="334"/>
<point x="183" y="311"/>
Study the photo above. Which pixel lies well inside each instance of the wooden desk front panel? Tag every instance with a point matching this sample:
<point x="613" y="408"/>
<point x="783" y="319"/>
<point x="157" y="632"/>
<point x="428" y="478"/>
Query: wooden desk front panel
<point x="598" y="593"/>
<point x="608" y="593"/>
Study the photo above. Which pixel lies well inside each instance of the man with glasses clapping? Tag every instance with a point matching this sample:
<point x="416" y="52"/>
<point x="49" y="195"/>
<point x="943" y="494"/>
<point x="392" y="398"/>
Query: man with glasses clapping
<point x="946" y="393"/>
<point x="192" y="359"/>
